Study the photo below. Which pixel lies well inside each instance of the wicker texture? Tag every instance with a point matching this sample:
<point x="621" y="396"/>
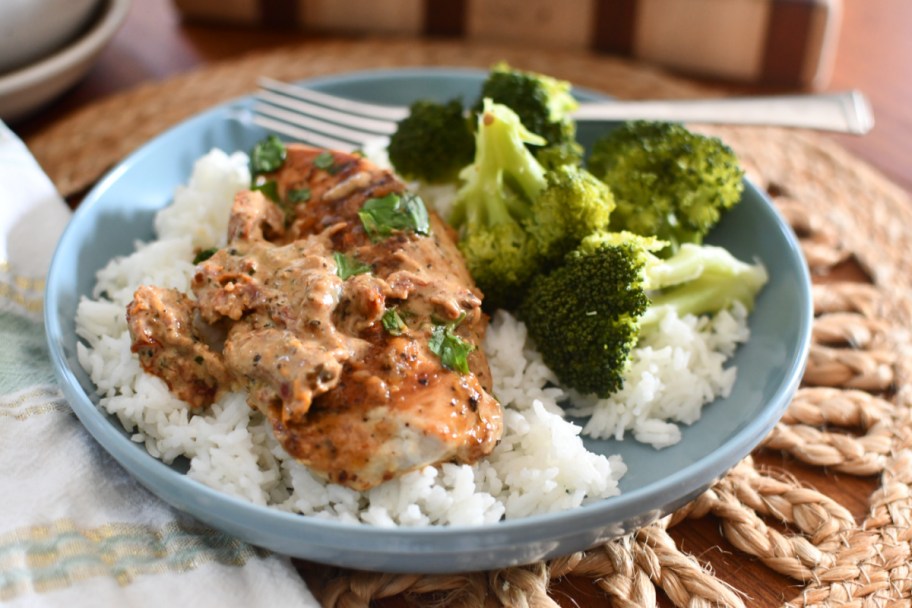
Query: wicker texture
<point x="850" y="416"/>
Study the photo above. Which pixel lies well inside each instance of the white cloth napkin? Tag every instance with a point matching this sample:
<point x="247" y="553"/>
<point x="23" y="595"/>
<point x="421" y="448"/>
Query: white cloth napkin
<point x="75" y="529"/>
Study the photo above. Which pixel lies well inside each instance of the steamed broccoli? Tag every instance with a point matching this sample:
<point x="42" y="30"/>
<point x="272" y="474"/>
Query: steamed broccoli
<point x="702" y="279"/>
<point x="573" y="205"/>
<point x="544" y="105"/>
<point x="495" y="200"/>
<point x="557" y="155"/>
<point x="587" y="315"/>
<point x="433" y="142"/>
<point x="515" y="216"/>
<point x="668" y="182"/>
<point x="584" y="316"/>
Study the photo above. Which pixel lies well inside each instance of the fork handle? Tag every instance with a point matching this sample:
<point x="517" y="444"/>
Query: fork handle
<point x="845" y="112"/>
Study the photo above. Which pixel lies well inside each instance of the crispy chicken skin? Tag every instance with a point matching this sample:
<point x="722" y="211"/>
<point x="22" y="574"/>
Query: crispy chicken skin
<point x="347" y="397"/>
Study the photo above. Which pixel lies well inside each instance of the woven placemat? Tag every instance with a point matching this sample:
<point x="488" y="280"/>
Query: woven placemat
<point x="850" y="417"/>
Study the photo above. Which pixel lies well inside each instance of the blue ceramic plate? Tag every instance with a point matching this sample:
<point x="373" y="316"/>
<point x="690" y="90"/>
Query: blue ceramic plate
<point x="119" y="211"/>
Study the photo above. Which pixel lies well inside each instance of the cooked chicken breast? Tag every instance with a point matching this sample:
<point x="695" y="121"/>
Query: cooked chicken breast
<point x="360" y="343"/>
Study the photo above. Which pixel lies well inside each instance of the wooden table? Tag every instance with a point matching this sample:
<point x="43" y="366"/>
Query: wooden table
<point x="874" y="55"/>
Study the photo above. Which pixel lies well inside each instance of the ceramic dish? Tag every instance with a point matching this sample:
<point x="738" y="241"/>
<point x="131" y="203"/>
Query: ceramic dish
<point x="24" y="90"/>
<point x="119" y="210"/>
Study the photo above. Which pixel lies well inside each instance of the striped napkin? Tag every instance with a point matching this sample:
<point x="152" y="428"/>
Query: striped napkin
<point x="75" y="529"/>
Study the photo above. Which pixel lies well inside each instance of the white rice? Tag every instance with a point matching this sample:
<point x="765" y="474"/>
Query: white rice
<point x="541" y="465"/>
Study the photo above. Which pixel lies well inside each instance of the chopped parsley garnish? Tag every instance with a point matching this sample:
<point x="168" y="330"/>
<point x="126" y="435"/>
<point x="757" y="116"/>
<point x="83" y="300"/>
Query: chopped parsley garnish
<point x="392" y="322"/>
<point x="326" y="161"/>
<point x="383" y="216"/>
<point x="348" y="266"/>
<point x="452" y="350"/>
<point x="267" y="155"/>
<point x="204" y="255"/>
<point x="269" y="188"/>
<point x="298" y="195"/>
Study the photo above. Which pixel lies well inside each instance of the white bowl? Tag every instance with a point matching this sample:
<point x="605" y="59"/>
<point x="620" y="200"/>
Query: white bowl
<point x="33" y="29"/>
<point x="26" y="89"/>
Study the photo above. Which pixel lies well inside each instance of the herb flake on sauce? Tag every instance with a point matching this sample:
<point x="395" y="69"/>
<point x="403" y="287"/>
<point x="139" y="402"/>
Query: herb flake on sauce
<point x="347" y="266"/>
<point x="393" y="213"/>
<point x="204" y="255"/>
<point x="452" y="349"/>
<point x="392" y="322"/>
<point x="267" y="155"/>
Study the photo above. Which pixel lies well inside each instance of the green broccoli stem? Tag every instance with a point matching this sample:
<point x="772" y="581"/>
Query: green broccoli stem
<point x="504" y="178"/>
<point x="698" y="280"/>
<point x="688" y="263"/>
<point x="503" y="150"/>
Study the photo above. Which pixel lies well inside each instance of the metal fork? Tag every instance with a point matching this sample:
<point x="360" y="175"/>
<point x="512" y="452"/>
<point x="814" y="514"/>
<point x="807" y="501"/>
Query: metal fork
<point x="335" y="122"/>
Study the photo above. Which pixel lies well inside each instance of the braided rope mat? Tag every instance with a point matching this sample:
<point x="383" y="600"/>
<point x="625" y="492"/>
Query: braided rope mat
<point x="850" y="418"/>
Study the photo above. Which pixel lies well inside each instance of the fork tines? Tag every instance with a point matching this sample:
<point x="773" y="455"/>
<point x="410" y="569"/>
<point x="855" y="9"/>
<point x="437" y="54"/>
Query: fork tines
<point x="320" y="119"/>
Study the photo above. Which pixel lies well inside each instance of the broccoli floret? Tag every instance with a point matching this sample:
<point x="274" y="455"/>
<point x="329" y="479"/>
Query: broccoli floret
<point x="573" y="205"/>
<point x="544" y="105"/>
<point x="668" y="182"/>
<point x="558" y="155"/>
<point x="494" y="201"/>
<point x="502" y="259"/>
<point x="584" y="316"/>
<point x="587" y="315"/>
<point x="515" y="217"/>
<point x="433" y="143"/>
